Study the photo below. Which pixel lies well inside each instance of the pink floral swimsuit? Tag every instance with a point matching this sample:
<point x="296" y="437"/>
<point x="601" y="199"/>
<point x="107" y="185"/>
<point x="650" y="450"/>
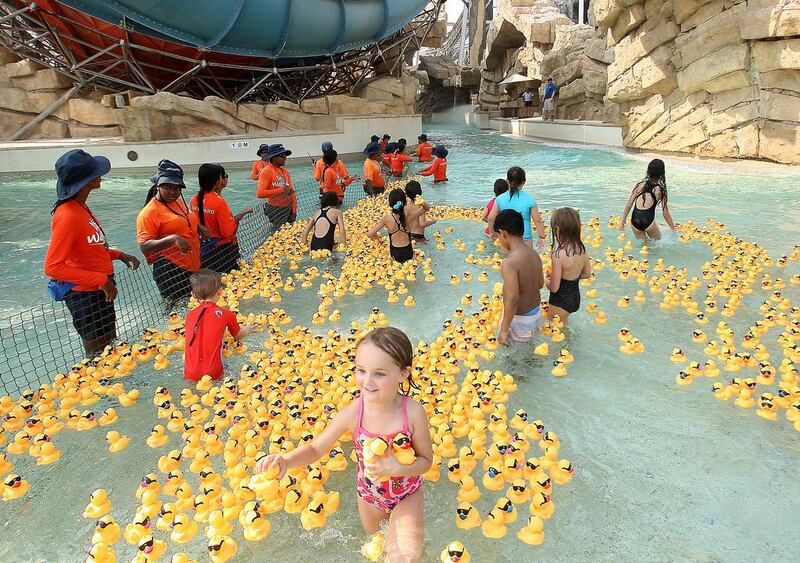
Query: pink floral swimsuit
<point x="383" y="496"/>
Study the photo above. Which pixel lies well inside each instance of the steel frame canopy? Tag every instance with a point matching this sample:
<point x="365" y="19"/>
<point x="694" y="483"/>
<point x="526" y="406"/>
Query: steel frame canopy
<point x="122" y="56"/>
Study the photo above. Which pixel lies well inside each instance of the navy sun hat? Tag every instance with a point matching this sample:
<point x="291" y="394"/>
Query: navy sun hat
<point x="374" y="139"/>
<point x="262" y="148"/>
<point x="391" y="147"/>
<point x="372" y="148"/>
<point x="440" y="151"/>
<point x="387" y="136"/>
<point x="422" y="137"/>
<point x="168" y="173"/>
<point x="77" y="168"/>
<point x="327" y="146"/>
<point x="278" y="150"/>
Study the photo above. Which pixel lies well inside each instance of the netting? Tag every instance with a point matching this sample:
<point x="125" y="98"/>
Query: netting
<point x="41" y="341"/>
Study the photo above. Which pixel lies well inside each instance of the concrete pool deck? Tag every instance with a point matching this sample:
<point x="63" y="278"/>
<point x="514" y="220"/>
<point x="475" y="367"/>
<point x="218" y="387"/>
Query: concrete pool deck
<point x="350" y="137"/>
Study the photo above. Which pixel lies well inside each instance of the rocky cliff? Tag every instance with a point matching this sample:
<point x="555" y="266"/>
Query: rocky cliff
<point x="708" y="77"/>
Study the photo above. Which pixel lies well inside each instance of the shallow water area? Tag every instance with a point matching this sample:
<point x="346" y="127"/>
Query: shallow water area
<point x="662" y="472"/>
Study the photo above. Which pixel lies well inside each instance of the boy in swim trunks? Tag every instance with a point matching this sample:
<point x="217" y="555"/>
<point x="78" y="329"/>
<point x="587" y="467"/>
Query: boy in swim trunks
<point x="522" y="281"/>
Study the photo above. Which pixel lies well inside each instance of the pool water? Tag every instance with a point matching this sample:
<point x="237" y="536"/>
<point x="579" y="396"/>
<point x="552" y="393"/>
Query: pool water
<point x="662" y="471"/>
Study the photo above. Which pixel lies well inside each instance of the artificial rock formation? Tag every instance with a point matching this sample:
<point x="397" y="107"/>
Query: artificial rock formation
<point x="708" y="77"/>
<point x="27" y="89"/>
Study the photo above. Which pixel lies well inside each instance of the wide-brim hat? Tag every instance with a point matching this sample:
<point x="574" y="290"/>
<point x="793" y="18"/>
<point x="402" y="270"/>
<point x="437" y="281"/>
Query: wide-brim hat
<point x="422" y="137"/>
<point x="168" y="173"/>
<point x="387" y="136"/>
<point x="440" y="151"/>
<point x="278" y="150"/>
<point x="75" y="169"/>
<point x="372" y="148"/>
<point x="262" y="149"/>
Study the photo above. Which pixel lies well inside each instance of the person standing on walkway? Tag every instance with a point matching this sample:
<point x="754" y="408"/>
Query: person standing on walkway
<point x="549" y="107"/>
<point x="168" y="233"/>
<point x="79" y="260"/>
<point x="275" y="184"/>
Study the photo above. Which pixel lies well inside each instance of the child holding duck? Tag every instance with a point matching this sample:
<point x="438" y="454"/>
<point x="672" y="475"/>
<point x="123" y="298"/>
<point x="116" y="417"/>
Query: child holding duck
<point x="387" y="489"/>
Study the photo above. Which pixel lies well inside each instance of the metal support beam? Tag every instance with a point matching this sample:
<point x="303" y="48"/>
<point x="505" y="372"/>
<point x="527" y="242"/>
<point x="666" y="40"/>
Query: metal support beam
<point x="22" y="133"/>
<point x="581" y="10"/>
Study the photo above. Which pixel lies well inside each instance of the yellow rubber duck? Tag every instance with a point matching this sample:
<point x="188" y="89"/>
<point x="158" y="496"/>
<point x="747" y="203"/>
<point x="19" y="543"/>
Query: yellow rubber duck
<point x="48" y="454"/>
<point x="519" y="492"/>
<point x="640" y="297"/>
<point x="624" y="302"/>
<point x="455" y="552"/>
<point x="137" y="529"/>
<point x="101" y="553"/>
<point x="533" y="532"/>
<point x="14" y="487"/>
<point x="108" y="416"/>
<point x="710" y="369"/>
<point x="562" y="473"/>
<point x="116" y="442"/>
<point x="409" y="301"/>
<point x="184" y="529"/>
<point x="469" y="491"/>
<point x="87" y="421"/>
<point x="254" y="526"/>
<point x="161" y="362"/>
<point x="158" y="437"/>
<point x="559" y="369"/>
<point x="698" y="336"/>
<point x="542" y="349"/>
<point x="766" y="407"/>
<point x="600" y="318"/>
<point x="373" y="549"/>
<point x="149" y="549"/>
<point x="467" y="516"/>
<point x="106" y="531"/>
<point x="494" y="526"/>
<point x="129" y="399"/>
<point x="542" y="506"/>
<point x="494" y="480"/>
<point x="99" y="505"/>
<point x="402" y="450"/>
<point x="678" y="356"/>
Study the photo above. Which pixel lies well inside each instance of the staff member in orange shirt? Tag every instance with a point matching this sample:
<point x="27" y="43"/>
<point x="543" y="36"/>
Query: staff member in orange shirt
<point x="78" y="259"/>
<point x="319" y="165"/>
<point x="275" y="184"/>
<point x="168" y="233"/>
<point x="398" y="159"/>
<point x="332" y="180"/>
<point x="374" y="184"/>
<point x="384" y="142"/>
<point x="219" y="252"/>
<point x="438" y="169"/>
<point x="259" y="164"/>
<point x="424" y="149"/>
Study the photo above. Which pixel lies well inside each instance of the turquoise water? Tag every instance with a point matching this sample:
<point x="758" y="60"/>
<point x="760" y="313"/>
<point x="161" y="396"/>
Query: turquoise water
<point x="661" y="472"/>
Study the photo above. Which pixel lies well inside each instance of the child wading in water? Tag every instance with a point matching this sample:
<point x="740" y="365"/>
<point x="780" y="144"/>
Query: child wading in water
<point x="570" y="263"/>
<point x="500" y="187"/>
<point x="417" y="224"/>
<point x="396" y="223"/>
<point x="522" y="281"/>
<point x="392" y="491"/>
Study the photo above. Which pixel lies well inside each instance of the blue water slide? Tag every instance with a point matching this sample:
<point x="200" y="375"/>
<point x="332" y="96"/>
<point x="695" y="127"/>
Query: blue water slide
<point x="260" y="28"/>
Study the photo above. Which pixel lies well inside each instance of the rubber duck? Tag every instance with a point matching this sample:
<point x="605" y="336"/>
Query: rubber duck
<point x="600" y="318"/>
<point x="766" y="407"/>
<point x="402" y="450"/>
<point x="315" y="514"/>
<point x="254" y="526"/>
<point x="137" y="529"/>
<point x="116" y="442"/>
<point x="409" y="301"/>
<point x="494" y="526"/>
<point x="14" y="487"/>
<point x="148" y="483"/>
<point x="166" y="515"/>
<point x="559" y="369"/>
<point x="161" y="362"/>
<point x="170" y="461"/>
<point x="624" y="302"/>
<point x="710" y="369"/>
<point x="217" y="525"/>
<point x="99" y="504"/>
<point x="48" y="453"/>
<point x="373" y="448"/>
<point x="494" y="480"/>
<point x="87" y="421"/>
<point x="149" y="549"/>
<point x="467" y="516"/>
<point x="533" y="532"/>
<point x="5" y="465"/>
<point x="698" y="336"/>
<point x="678" y="356"/>
<point x="469" y="491"/>
<point x="542" y="349"/>
<point x="158" y="437"/>
<point x="295" y="501"/>
<point x="745" y="399"/>
<point x="101" y="553"/>
<point x="129" y="399"/>
<point x="562" y="473"/>
<point x="184" y="529"/>
<point x="221" y="548"/>
<point x="106" y="531"/>
<point x="373" y="549"/>
<point x="519" y="492"/>
<point x="640" y="297"/>
<point x="108" y="416"/>
<point x="455" y="552"/>
<point x="542" y="506"/>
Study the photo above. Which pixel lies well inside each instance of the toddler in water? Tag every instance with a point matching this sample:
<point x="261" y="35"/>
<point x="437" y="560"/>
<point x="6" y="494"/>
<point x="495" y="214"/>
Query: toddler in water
<point x="383" y="375"/>
<point x="500" y="187"/>
<point x="205" y="328"/>
<point x="570" y="263"/>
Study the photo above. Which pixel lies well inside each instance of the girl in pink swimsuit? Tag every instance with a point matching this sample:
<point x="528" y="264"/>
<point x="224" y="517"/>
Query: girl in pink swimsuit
<point x="383" y="374"/>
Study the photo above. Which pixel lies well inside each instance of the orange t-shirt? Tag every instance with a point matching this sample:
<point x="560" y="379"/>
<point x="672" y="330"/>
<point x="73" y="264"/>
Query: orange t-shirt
<point x="271" y="183"/>
<point x="78" y="253"/>
<point x="372" y="171"/>
<point x="332" y="181"/>
<point x="438" y="169"/>
<point x="319" y="166"/>
<point x="258" y="165"/>
<point x="398" y="161"/>
<point x="218" y="216"/>
<point x="158" y="220"/>
<point x="425" y="151"/>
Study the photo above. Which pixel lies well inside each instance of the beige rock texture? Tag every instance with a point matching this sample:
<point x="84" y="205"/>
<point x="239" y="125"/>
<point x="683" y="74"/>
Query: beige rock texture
<point x="708" y="77"/>
<point x="26" y="89"/>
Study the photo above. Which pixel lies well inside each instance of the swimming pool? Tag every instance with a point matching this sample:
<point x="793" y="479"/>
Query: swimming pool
<point x="661" y="471"/>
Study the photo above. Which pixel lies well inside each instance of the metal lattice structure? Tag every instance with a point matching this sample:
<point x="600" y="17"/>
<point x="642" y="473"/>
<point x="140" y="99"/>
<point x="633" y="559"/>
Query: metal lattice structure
<point x="115" y="58"/>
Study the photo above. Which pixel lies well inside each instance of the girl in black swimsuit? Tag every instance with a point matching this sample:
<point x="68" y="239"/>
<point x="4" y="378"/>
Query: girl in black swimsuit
<point x="570" y="263"/>
<point x="324" y="240"/>
<point x="648" y="193"/>
<point x="395" y="223"/>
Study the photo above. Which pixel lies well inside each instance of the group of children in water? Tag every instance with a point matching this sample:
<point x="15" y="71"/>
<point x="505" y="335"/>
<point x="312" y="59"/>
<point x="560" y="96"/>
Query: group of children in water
<point x="384" y="356"/>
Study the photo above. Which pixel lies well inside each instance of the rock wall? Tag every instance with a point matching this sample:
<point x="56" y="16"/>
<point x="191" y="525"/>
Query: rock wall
<point x="27" y="89"/>
<point x="707" y="77"/>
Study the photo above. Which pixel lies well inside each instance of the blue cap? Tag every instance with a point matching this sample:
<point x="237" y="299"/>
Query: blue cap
<point x="372" y="148"/>
<point x="440" y="151"/>
<point x="77" y="168"/>
<point x="422" y="137"/>
<point x="168" y="173"/>
<point x="327" y="146"/>
<point x="278" y="150"/>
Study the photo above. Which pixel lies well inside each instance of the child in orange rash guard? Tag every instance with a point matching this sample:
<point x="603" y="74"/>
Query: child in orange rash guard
<point x="205" y="328"/>
<point x="438" y="169"/>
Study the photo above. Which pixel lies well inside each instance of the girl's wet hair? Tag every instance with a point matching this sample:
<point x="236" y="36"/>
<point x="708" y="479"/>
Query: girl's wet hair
<point x="516" y="178"/>
<point x="413" y="189"/>
<point x="397" y="203"/>
<point x="207" y="177"/>
<point x="394" y="343"/>
<point x="565" y="228"/>
<point x="500" y="187"/>
<point x="656" y="177"/>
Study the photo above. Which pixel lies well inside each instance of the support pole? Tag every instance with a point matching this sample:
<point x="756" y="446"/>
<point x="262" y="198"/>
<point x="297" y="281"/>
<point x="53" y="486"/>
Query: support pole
<point x="581" y="9"/>
<point x="22" y="133"/>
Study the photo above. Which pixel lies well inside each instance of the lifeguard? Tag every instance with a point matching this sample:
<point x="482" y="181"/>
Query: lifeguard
<point x="438" y="169"/>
